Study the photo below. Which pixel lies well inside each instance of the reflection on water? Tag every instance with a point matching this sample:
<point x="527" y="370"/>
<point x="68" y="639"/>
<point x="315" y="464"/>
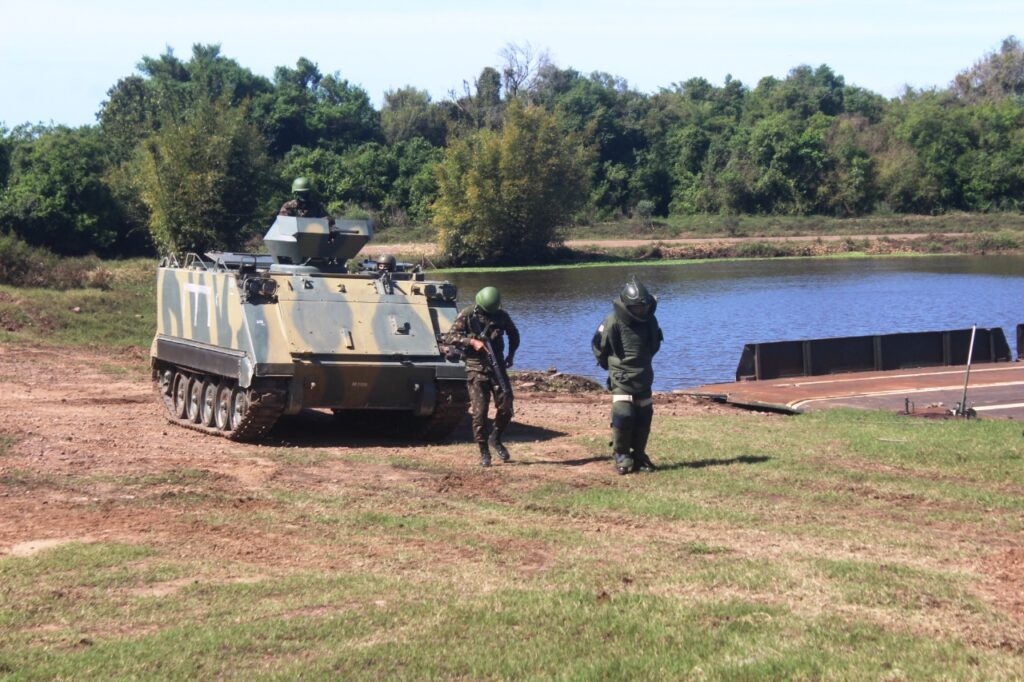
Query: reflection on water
<point x="709" y="310"/>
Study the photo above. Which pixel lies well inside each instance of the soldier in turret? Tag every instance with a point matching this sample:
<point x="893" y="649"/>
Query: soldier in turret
<point x="479" y="331"/>
<point x="625" y="345"/>
<point x="304" y="205"/>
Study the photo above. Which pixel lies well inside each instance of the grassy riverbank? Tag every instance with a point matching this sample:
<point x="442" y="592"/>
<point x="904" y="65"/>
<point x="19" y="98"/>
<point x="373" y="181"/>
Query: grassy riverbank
<point x="754" y="237"/>
<point x="598" y="254"/>
<point x="709" y="226"/>
<point x="796" y="226"/>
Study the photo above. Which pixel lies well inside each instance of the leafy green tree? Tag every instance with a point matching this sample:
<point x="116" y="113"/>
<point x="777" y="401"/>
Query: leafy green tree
<point x="201" y="178"/>
<point x="481" y="107"/>
<point x="935" y="126"/>
<point x="361" y="176"/>
<point x="610" y="116"/>
<point x="207" y="75"/>
<point x="55" y="195"/>
<point x="308" y="109"/>
<point x="803" y="93"/>
<point x="551" y="84"/>
<point x="324" y="168"/>
<point x="5" y="156"/>
<point x="996" y="76"/>
<point x="136" y="105"/>
<point x="212" y="76"/>
<point x="127" y="116"/>
<point x="369" y="171"/>
<point x="850" y="185"/>
<point x="415" y="188"/>
<point x="503" y="195"/>
<point x="860" y="102"/>
<point x="408" y="113"/>
<point x="992" y="170"/>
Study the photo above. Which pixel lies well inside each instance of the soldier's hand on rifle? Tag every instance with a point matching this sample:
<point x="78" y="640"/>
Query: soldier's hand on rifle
<point x="508" y="361"/>
<point x="476" y="344"/>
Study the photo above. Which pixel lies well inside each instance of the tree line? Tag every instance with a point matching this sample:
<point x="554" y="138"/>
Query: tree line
<point x="199" y="153"/>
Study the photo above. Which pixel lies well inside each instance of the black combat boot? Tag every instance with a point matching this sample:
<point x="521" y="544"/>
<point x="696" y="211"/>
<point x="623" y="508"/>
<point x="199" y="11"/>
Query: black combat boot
<point x="495" y="442"/>
<point x="643" y="462"/>
<point x="623" y="464"/>
<point x="485" y="455"/>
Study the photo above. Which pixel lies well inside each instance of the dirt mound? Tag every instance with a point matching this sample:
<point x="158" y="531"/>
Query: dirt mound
<point x="552" y="382"/>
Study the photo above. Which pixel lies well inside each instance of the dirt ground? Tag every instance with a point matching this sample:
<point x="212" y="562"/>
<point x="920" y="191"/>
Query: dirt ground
<point x="95" y="417"/>
<point x="79" y="423"/>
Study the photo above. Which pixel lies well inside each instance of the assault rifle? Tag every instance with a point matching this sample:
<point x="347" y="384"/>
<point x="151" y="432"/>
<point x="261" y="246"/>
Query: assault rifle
<point x="496" y="362"/>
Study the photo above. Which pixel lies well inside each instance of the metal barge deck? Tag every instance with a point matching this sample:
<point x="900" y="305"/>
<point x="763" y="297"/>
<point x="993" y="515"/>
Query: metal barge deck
<point x="996" y="390"/>
<point x="917" y="373"/>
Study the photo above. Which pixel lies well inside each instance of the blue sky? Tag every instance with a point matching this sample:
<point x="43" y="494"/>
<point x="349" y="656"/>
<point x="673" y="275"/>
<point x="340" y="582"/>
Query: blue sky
<point x="58" y="58"/>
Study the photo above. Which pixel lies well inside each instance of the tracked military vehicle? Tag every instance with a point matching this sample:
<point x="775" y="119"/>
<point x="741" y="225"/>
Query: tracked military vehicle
<point x="242" y="339"/>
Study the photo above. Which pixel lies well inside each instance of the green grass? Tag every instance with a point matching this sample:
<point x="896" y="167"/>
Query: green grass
<point x="124" y="315"/>
<point x="367" y="627"/>
<point x="828" y="545"/>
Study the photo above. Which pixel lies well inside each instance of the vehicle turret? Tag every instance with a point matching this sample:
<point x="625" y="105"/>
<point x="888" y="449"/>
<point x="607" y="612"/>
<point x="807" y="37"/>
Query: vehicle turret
<point x="311" y="242"/>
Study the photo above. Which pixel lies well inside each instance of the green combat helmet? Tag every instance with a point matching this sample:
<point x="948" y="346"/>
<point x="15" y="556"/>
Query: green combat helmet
<point x="636" y="298"/>
<point x="488" y="299"/>
<point x="301" y="186"/>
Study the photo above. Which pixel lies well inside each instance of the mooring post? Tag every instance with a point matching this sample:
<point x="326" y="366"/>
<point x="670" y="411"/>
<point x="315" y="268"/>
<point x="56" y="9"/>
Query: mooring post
<point x="967" y="377"/>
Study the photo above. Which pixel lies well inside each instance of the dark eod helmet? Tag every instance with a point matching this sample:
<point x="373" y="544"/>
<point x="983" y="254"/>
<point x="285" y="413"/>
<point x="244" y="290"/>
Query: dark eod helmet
<point x="636" y="298"/>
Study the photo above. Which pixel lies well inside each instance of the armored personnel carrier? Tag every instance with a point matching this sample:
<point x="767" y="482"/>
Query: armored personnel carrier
<point x="242" y="339"/>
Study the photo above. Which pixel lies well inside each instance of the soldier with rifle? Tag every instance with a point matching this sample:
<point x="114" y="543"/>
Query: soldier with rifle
<point x="479" y="331"/>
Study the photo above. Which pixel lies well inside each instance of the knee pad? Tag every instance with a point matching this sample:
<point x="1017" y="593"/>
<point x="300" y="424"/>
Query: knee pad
<point x="622" y="415"/>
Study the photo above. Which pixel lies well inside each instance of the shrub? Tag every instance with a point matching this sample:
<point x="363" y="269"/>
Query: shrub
<point x="23" y="265"/>
<point x="758" y="250"/>
<point x="1004" y="240"/>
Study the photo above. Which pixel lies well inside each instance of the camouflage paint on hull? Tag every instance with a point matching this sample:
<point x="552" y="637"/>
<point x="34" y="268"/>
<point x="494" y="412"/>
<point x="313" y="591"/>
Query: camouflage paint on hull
<point x="334" y="340"/>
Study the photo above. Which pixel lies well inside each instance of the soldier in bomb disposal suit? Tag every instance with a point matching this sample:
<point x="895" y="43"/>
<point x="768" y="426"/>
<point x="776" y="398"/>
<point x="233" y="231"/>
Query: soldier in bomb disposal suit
<point x="625" y="345"/>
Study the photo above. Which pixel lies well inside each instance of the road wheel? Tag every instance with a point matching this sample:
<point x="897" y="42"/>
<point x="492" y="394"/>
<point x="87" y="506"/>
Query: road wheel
<point x="223" y="412"/>
<point x="165" y="382"/>
<point x="181" y="395"/>
<point x="208" y="408"/>
<point x="195" y="399"/>
<point x="239" y="407"/>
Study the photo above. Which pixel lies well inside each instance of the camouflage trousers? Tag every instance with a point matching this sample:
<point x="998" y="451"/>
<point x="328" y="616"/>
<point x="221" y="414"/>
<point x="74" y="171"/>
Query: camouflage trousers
<point x="481" y="387"/>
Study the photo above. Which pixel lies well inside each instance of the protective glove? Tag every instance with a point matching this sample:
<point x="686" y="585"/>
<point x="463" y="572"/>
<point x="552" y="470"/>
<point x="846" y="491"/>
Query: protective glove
<point x="508" y="361"/>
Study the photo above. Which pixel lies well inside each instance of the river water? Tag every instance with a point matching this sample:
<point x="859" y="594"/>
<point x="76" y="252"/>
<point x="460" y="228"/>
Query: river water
<point x="709" y="310"/>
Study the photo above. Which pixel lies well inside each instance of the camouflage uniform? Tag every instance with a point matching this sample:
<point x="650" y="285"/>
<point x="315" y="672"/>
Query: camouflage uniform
<point x="481" y="381"/>
<point x="310" y="208"/>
